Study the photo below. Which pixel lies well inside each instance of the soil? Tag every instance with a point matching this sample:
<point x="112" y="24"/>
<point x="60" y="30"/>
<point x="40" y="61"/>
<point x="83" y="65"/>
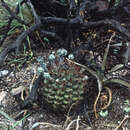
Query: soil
<point x="15" y="85"/>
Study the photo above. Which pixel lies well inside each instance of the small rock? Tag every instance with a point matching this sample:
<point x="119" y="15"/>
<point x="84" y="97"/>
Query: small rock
<point x="6" y="100"/>
<point x="2" y="96"/>
<point x="16" y="91"/>
<point x="3" y="73"/>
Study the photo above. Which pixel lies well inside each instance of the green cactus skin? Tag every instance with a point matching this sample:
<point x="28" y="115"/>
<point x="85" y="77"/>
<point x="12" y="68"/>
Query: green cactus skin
<point x="66" y="85"/>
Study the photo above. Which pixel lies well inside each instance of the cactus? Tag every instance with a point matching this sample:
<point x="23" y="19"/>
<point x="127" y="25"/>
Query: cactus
<point x="64" y="82"/>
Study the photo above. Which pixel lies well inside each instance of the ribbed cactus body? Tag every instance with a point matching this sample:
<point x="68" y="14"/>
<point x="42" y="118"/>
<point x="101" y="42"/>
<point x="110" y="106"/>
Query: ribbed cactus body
<point x="65" y="85"/>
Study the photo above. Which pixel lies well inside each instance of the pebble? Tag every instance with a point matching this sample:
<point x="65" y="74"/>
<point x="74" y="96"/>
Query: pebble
<point x="16" y="91"/>
<point x="3" y="73"/>
<point x="3" y="94"/>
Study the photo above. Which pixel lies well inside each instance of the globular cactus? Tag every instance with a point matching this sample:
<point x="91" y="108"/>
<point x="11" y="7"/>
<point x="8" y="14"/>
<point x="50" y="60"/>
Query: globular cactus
<point x="64" y="82"/>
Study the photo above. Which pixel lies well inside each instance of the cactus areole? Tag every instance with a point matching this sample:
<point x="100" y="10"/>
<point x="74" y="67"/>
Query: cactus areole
<point x="63" y="83"/>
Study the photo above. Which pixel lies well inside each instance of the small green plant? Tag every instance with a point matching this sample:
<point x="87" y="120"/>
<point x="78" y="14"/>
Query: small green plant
<point x="103" y="113"/>
<point x="46" y="39"/>
<point x="126" y="108"/>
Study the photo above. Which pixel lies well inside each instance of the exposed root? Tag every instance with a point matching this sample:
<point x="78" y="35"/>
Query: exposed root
<point x="95" y="104"/>
<point x="110" y="98"/>
<point x="97" y="98"/>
